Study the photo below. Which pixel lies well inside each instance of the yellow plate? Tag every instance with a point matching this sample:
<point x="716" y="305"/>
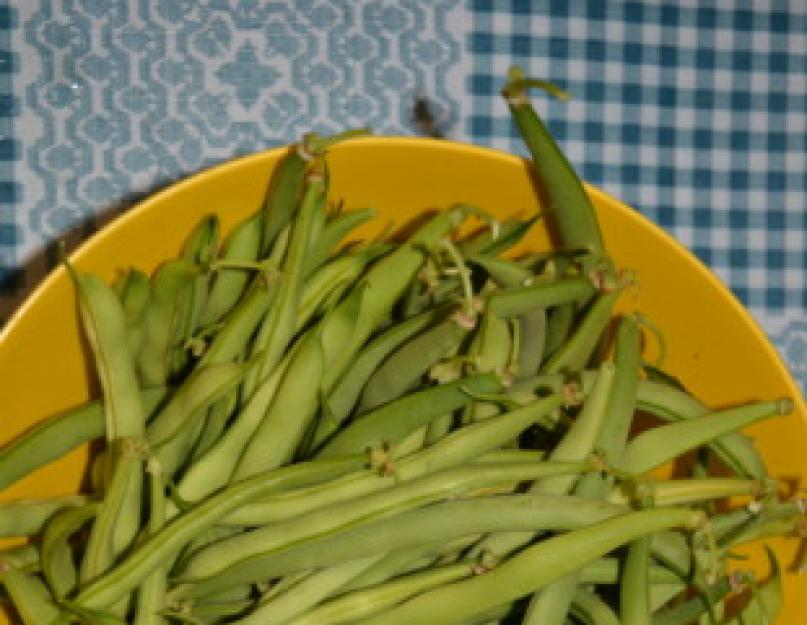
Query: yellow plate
<point x="714" y="345"/>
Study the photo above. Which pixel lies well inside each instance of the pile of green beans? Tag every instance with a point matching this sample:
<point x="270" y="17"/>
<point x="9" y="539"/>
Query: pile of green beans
<point x="413" y="430"/>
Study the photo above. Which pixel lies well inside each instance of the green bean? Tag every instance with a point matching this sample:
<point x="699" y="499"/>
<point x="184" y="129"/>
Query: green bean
<point x="24" y="558"/>
<point x="363" y="603"/>
<point x="282" y="429"/>
<point x="105" y="327"/>
<point x="240" y="324"/>
<point x="173" y="431"/>
<point x="576" y="352"/>
<point x="134" y="568"/>
<point x="199" y="249"/>
<point x="634" y="589"/>
<point x="404" y="368"/>
<point x="688" y="611"/>
<point x="495" y="240"/>
<point x="533" y="568"/>
<point x="30" y="597"/>
<point x="307" y="594"/>
<point x="115" y="522"/>
<point x="285" y="191"/>
<point x="215" y="424"/>
<point x="657" y="446"/>
<point x="151" y="596"/>
<point x="771" y="520"/>
<point x="507" y="274"/>
<point x="326" y="286"/>
<point x="167" y="320"/>
<point x="735" y="450"/>
<point x="623" y="397"/>
<point x="608" y="570"/>
<point x="399" y="563"/>
<point x="663" y="594"/>
<point x="59" y="434"/>
<point x="242" y="246"/>
<point x="134" y="292"/>
<point x="214" y="469"/>
<point x="393" y="421"/>
<point x="446" y="521"/>
<point x="27" y="517"/>
<point x="334" y="232"/>
<point x="552" y="603"/>
<point x="592" y="610"/>
<point x="517" y="301"/>
<point x="346" y="328"/>
<point x="57" y="557"/>
<point x="346" y="392"/>
<point x="691" y="490"/>
<point x="568" y="204"/>
<point x="427" y="489"/>
<point x="532" y="331"/>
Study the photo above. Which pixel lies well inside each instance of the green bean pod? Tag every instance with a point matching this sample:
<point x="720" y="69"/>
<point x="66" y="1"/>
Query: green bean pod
<point x="517" y="301"/>
<point x="24" y="558"/>
<point x="134" y="292"/>
<point x="228" y="285"/>
<point x="105" y="327"/>
<point x="568" y="203"/>
<point x="277" y="328"/>
<point x="333" y="233"/>
<point x="215" y="468"/>
<point x="441" y="521"/>
<point x="280" y="433"/>
<point x="345" y="394"/>
<point x="690" y="610"/>
<point x="734" y="449"/>
<point x="532" y="568"/>
<point x="307" y="594"/>
<point x="152" y="553"/>
<point x="634" y="588"/>
<point x="661" y="444"/>
<point x="173" y="431"/>
<point x="364" y="603"/>
<point x="405" y="367"/>
<point x="215" y="424"/>
<point x="168" y="321"/>
<point x="55" y="436"/>
<point x="151" y="596"/>
<point x="29" y="596"/>
<point x="575" y="354"/>
<point x="199" y="249"/>
<point x="326" y="286"/>
<point x="26" y="517"/>
<point x="118" y="517"/>
<point x="393" y="421"/>
<point x="347" y="327"/>
<point x="592" y="610"/>
<point x="436" y="487"/>
<point x="463" y="445"/>
<point x="57" y="557"/>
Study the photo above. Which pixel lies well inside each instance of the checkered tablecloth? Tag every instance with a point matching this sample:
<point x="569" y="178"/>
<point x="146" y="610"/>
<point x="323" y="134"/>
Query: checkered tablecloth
<point x="693" y="112"/>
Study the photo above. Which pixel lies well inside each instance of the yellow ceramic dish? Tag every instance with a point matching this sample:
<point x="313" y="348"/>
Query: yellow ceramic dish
<point x="714" y="345"/>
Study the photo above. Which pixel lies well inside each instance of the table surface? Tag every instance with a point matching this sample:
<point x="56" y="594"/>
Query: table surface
<point x="695" y="113"/>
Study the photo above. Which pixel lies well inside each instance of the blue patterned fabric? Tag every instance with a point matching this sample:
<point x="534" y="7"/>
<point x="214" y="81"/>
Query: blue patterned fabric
<point x="693" y="112"/>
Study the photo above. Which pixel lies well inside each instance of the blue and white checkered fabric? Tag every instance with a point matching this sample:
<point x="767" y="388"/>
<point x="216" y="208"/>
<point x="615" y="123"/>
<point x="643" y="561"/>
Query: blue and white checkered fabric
<point x="693" y="112"/>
